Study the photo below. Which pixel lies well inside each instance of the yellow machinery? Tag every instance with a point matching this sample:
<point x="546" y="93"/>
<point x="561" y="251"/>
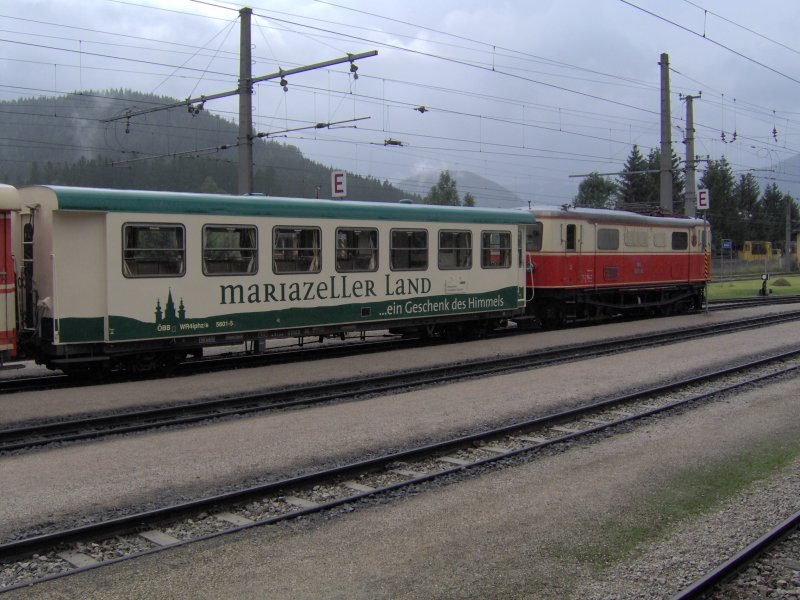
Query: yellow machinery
<point x="756" y="251"/>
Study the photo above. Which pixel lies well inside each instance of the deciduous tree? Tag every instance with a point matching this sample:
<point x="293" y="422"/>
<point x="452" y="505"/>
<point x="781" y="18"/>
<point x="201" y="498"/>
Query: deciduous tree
<point x="596" y="191"/>
<point x="445" y="192"/>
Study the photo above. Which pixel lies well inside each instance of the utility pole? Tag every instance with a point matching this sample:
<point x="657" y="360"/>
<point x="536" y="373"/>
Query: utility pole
<point x="665" y="190"/>
<point x="245" y="137"/>
<point x="787" y="249"/>
<point x="691" y="186"/>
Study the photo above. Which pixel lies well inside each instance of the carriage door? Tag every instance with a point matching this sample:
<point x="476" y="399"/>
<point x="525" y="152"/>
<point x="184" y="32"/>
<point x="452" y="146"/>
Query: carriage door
<point x="681" y="249"/>
<point x="6" y="272"/>
<point x="571" y="239"/>
<point x="7" y="304"/>
<point x="26" y="292"/>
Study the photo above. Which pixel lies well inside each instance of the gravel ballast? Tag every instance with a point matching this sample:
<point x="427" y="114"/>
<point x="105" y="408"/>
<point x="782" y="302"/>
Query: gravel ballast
<point x="525" y="531"/>
<point x="162" y="467"/>
<point x="118" y="396"/>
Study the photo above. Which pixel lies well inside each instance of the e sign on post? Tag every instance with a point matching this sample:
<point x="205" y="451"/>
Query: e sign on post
<point x="338" y="184"/>
<point x="703" y="200"/>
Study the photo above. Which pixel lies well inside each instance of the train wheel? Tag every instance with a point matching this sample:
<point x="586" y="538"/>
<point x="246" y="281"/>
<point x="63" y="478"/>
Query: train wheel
<point x="153" y="362"/>
<point x="93" y="371"/>
<point x="430" y="332"/>
<point x="552" y="316"/>
<point x="473" y="330"/>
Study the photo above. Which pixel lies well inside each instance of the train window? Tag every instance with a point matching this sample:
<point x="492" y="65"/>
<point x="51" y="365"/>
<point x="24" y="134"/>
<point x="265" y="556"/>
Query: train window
<point x="636" y="237"/>
<point x="571" y="237"/>
<point x="533" y="238"/>
<point x="608" y="239"/>
<point x="356" y="250"/>
<point x="296" y="250"/>
<point x="495" y="249"/>
<point x="409" y="249"/>
<point x="455" y="250"/>
<point x="230" y="249"/>
<point x="680" y="240"/>
<point x="659" y="239"/>
<point x="153" y="250"/>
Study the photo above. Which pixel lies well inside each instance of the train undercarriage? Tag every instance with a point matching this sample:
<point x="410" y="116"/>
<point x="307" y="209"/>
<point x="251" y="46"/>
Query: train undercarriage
<point x="554" y="308"/>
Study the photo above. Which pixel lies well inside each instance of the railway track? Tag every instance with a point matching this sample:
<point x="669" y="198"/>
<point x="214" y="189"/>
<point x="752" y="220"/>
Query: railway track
<point x="750" y="302"/>
<point x="718" y="583"/>
<point x="295" y="354"/>
<point x="28" y="435"/>
<point x="222" y="362"/>
<point x="55" y="554"/>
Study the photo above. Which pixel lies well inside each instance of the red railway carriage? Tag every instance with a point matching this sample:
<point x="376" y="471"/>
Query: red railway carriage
<point x="586" y="263"/>
<point x="8" y="331"/>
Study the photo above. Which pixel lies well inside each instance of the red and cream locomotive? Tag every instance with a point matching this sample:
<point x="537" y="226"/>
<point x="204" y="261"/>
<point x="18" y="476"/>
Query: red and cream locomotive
<point x="585" y="263"/>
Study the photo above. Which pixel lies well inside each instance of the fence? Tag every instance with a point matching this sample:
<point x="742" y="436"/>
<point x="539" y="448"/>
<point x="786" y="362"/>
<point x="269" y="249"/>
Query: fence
<point x="722" y="266"/>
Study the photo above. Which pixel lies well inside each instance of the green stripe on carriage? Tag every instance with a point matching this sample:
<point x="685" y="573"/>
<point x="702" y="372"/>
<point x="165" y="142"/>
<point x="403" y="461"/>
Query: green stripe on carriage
<point x="75" y="329"/>
<point x="107" y="200"/>
<point x="506" y="299"/>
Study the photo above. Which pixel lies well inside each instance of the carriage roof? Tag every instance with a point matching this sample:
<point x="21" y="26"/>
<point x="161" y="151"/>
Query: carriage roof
<point x="110" y="200"/>
<point x="604" y="215"/>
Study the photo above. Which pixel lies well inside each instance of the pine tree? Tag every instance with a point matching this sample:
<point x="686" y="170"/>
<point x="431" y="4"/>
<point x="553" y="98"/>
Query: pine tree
<point x="634" y="186"/>
<point x="678" y="181"/>
<point x="774" y="214"/>
<point x="751" y="221"/>
<point x="724" y="213"/>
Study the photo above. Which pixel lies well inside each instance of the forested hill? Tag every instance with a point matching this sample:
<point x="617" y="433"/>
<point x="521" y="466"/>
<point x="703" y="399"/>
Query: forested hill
<point x="64" y="141"/>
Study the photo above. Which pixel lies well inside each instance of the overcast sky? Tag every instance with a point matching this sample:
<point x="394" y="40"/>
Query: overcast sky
<point x="525" y="93"/>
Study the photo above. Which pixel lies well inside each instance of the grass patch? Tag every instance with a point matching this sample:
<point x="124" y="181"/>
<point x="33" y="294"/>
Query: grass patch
<point x="783" y="286"/>
<point x="599" y="544"/>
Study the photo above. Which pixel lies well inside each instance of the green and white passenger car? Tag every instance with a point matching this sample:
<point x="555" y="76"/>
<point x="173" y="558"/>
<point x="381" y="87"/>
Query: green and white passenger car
<point x="136" y="279"/>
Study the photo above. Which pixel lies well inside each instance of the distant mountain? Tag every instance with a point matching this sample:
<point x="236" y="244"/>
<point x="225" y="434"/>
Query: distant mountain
<point x="786" y="175"/>
<point x="69" y="140"/>
<point x="487" y="193"/>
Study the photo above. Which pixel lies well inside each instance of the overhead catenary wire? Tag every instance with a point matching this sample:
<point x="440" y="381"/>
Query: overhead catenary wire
<point x="571" y="66"/>
<point x="473" y="114"/>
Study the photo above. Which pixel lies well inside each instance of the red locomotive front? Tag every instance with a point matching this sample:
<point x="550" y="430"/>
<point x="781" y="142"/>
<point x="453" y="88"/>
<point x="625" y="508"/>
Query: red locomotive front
<point x="589" y="263"/>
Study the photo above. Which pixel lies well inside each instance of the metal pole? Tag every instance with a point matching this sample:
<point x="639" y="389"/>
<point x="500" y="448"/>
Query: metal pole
<point x="787" y="254"/>
<point x="665" y="190"/>
<point x="691" y="186"/>
<point x="245" y="137"/>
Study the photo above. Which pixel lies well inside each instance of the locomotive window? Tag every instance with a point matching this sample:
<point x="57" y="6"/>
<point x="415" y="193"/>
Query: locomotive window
<point x="636" y="237"/>
<point x="455" y="250"/>
<point x="680" y="240"/>
<point x="356" y="250"/>
<point x="296" y="250"/>
<point x="659" y="239"/>
<point x="533" y="238"/>
<point x="153" y="250"/>
<point x="571" y="237"/>
<point x="230" y="250"/>
<point x="495" y="249"/>
<point x="409" y="249"/>
<point x="608" y="239"/>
